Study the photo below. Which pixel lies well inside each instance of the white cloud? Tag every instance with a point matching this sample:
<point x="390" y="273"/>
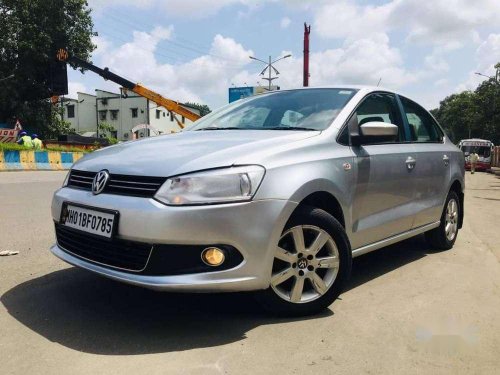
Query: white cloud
<point x="341" y="19"/>
<point x="444" y="21"/>
<point x="441" y="82"/>
<point x="229" y="49"/>
<point x="74" y="88"/>
<point x="438" y="22"/>
<point x="207" y="78"/>
<point x="424" y="33"/>
<point x="363" y="61"/>
<point x="487" y="55"/>
<point x="285" y="22"/>
<point x="202" y="79"/>
<point x="102" y="45"/>
<point x="436" y="63"/>
<point x="136" y="58"/>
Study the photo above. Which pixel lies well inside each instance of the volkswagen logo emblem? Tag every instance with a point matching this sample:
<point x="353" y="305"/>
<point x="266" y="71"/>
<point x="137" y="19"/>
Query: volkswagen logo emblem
<point x="302" y="263"/>
<point x="100" y="181"/>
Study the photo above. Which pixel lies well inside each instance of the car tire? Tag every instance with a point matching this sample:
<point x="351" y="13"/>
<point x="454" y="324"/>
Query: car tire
<point x="444" y="236"/>
<point x="319" y="267"/>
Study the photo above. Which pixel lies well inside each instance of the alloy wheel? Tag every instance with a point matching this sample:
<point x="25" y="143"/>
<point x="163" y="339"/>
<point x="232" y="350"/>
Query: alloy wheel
<point x="306" y="264"/>
<point x="451" y="218"/>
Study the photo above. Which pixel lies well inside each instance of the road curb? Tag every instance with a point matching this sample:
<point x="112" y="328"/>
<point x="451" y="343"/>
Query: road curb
<point x="30" y="160"/>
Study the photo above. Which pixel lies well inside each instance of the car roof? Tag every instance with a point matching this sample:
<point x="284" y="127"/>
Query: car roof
<point x="366" y="88"/>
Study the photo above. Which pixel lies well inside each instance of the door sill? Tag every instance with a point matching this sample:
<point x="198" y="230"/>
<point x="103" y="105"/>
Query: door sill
<point x="392" y="240"/>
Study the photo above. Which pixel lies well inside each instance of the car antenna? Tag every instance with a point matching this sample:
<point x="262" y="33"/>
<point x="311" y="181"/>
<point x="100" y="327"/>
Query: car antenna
<point x="380" y="80"/>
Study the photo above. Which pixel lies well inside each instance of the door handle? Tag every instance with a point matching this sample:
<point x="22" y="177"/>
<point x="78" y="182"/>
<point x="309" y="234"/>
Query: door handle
<point x="446" y="160"/>
<point x="410" y="163"/>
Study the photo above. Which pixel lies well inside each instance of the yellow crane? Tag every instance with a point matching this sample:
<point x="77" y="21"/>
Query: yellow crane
<point x="170" y="105"/>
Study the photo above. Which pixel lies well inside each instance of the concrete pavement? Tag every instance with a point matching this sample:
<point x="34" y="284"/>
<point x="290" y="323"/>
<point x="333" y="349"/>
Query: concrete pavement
<point x="406" y="310"/>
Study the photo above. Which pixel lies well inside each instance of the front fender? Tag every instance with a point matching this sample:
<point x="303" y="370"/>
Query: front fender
<point x="295" y="182"/>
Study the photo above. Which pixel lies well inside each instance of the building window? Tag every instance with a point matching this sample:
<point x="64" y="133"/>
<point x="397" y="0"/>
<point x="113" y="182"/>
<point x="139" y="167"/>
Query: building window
<point x="114" y="114"/>
<point x="134" y="112"/>
<point x="171" y="117"/>
<point x="183" y="119"/>
<point x="71" y="111"/>
<point x="163" y="114"/>
<point x="102" y="115"/>
<point x="158" y="113"/>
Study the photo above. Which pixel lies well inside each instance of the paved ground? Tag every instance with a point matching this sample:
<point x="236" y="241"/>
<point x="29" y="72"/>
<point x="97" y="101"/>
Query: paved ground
<point x="407" y="310"/>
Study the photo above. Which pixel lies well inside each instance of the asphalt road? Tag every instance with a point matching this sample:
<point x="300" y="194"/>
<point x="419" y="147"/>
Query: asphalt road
<point x="407" y="310"/>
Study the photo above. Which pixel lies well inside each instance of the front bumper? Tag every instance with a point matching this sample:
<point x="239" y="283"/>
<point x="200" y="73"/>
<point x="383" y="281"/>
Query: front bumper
<point x="480" y="166"/>
<point x="253" y="228"/>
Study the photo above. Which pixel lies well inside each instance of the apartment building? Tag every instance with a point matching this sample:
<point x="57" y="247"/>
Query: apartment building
<point x="131" y="115"/>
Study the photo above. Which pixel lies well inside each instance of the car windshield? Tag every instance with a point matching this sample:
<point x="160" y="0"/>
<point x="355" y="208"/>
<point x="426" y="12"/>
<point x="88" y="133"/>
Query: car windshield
<point x="311" y="109"/>
<point x="480" y="150"/>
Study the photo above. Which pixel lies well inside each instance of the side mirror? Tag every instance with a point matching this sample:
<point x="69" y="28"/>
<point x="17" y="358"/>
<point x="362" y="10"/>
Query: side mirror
<point x="378" y="129"/>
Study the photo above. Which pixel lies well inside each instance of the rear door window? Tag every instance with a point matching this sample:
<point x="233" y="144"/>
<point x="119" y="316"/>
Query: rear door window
<point x="423" y="128"/>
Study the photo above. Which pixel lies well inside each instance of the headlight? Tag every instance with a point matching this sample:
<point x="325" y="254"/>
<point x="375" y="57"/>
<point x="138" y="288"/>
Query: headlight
<point x="234" y="184"/>
<point x="65" y="183"/>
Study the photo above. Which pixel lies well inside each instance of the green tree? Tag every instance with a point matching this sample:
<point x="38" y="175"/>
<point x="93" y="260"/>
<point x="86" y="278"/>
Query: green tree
<point x="487" y="97"/>
<point x="203" y="108"/>
<point x="473" y="114"/>
<point x="30" y="33"/>
<point x="107" y="131"/>
<point x="56" y="125"/>
<point x="458" y="114"/>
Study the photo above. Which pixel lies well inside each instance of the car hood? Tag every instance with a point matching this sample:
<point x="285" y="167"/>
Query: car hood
<point x="189" y="151"/>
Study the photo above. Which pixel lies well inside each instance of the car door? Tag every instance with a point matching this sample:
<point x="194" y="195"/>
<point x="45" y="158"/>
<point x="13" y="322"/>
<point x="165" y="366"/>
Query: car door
<point x="384" y="189"/>
<point x="432" y="168"/>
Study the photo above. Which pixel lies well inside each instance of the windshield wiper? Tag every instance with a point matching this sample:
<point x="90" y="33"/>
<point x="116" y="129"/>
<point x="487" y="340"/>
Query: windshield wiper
<point x="290" y="128"/>
<point x="219" y="128"/>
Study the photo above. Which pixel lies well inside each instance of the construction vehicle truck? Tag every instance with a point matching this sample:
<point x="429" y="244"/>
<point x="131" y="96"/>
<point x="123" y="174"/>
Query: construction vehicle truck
<point x="170" y="105"/>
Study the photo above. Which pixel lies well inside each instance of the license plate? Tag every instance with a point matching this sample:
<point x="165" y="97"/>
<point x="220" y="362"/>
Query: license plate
<point x="91" y="220"/>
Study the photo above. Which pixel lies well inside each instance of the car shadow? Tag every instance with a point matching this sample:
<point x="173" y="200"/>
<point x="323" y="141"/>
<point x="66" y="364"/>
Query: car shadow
<point x="92" y="314"/>
<point x="377" y="263"/>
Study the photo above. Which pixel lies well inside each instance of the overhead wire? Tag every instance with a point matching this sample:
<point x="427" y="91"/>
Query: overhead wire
<point x="174" y="43"/>
<point x="199" y="52"/>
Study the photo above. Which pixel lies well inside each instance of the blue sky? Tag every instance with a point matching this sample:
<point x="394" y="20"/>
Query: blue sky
<point x="194" y="50"/>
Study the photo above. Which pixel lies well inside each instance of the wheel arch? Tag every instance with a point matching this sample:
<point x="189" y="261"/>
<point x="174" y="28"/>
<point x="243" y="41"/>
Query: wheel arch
<point x="457" y="187"/>
<point x="325" y="201"/>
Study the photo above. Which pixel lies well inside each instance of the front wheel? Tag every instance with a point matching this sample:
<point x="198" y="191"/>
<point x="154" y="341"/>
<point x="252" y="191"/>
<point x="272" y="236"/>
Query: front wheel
<point x="444" y="236"/>
<point x="312" y="261"/>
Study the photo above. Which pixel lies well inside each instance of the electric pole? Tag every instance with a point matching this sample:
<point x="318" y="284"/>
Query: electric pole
<point x="270" y="68"/>
<point x="307" y="31"/>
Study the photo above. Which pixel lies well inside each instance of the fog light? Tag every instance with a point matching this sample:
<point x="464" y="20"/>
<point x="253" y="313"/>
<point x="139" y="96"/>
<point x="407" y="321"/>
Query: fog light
<point x="212" y="256"/>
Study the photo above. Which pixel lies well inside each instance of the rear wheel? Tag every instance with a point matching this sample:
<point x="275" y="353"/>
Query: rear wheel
<point x="311" y="263"/>
<point x="444" y="236"/>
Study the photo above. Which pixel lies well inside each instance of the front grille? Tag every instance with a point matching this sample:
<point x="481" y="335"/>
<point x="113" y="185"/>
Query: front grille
<point x="81" y="179"/>
<point x="137" y="186"/>
<point x="127" y="255"/>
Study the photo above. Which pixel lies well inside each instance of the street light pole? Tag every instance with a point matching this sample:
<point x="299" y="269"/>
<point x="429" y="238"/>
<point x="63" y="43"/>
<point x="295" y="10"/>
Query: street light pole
<point x="270" y="79"/>
<point x="270" y="67"/>
<point x="496" y="78"/>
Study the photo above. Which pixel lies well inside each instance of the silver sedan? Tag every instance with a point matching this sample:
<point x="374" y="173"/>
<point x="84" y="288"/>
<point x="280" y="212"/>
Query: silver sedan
<point x="273" y="194"/>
